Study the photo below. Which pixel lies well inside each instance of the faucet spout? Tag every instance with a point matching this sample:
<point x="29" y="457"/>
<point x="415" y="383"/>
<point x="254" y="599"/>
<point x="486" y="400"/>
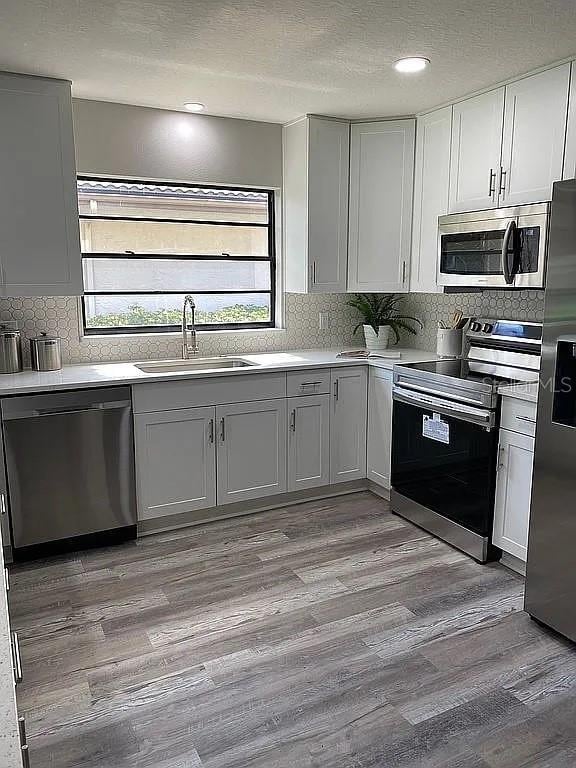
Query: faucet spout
<point x="189" y="348"/>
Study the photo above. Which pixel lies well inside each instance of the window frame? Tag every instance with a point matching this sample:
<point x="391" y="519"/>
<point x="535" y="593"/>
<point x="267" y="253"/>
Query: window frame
<point x="271" y="259"/>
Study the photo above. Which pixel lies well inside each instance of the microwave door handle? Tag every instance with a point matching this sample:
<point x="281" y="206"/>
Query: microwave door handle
<point x="506" y="271"/>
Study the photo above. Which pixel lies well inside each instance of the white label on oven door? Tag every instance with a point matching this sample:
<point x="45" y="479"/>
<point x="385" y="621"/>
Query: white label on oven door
<point x="436" y="429"/>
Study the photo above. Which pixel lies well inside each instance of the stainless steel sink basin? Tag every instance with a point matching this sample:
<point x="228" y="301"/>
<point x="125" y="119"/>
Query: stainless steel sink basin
<point x="193" y="364"/>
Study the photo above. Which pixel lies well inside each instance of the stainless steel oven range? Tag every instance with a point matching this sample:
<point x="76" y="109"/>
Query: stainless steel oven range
<point x="445" y="432"/>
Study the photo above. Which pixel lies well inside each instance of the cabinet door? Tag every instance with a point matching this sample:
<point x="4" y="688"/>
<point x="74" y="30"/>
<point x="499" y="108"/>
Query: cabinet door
<point x="431" y="189"/>
<point x="380" y="222"/>
<point x="251" y="450"/>
<point x="348" y="424"/>
<point x="308" y="442"/>
<point x="175" y="461"/>
<point x="39" y="232"/>
<point x="513" y="492"/>
<point x="534" y="135"/>
<point x="570" y="150"/>
<point x="328" y="170"/>
<point x="379" y="426"/>
<point x="475" y="154"/>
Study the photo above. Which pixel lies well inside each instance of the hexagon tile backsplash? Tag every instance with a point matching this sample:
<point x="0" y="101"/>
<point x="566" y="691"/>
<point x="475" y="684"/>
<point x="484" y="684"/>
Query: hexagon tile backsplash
<point x="60" y="316"/>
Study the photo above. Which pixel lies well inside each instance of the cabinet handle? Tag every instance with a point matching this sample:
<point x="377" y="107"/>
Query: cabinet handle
<point x="500" y="464"/>
<point x="293" y="421"/>
<point x="25" y="756"/>
<point x="403" y="273"/>
<point x="22" y="730"/>
<point x="6" y="579"/>
<point x="222" y="430"/>
<point x="336" y="390"/>
<point x="492" y="183"/>
<point x="310" y="384"/>
<point x="503" y="177"/>
<point x="314" y="273"/>
<point x="211" y="431"/>
<point x="17" y="661"/>
<point x="2" y="503"/>
<point x="526" y="418"/>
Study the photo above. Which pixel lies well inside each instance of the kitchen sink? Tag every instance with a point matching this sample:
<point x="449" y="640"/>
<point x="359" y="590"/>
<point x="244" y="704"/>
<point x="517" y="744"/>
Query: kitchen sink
<point x="193" y="364"/>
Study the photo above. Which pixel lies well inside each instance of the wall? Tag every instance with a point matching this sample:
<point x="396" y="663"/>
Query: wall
<point x="140" y="142"/>
<point x="59" y="316"/>
<point x="431" y="308"/>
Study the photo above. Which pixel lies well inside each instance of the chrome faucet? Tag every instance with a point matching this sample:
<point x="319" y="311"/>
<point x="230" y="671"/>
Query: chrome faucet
<point x="189" y="349"/>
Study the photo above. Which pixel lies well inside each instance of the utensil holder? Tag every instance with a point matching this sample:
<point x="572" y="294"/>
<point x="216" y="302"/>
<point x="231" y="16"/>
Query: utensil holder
<point x="449" y="342"/>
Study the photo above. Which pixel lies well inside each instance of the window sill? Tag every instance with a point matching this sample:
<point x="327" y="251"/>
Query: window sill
<point x="112" y="337"/>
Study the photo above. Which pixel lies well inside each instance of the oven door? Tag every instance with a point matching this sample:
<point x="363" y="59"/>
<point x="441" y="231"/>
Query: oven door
<point x="495" y="253"/>
<point x="444" y="461"/>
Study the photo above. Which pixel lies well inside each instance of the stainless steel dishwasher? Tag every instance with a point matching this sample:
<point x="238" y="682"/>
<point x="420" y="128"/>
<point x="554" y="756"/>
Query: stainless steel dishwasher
<point x="70" y="468"/>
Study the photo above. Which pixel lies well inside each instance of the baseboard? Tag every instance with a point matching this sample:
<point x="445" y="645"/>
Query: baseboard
<point x="514" y="563"/>
<point x="378" y="490"/>
<point x="225" y="511"/>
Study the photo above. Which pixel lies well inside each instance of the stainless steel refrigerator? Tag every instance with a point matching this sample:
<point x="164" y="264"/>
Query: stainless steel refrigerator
<point x="551" y="568"/>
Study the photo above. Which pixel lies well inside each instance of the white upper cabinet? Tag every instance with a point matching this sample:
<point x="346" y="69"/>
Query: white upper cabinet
<point x="570" y="153"/>
<point x="534" y="133"/>
<point x="475" y="156"/>
<point x="380" y="220"/>
<point x="39" y="232"/>
<point x="431" y="190"/>
<point x="316" y="166"/>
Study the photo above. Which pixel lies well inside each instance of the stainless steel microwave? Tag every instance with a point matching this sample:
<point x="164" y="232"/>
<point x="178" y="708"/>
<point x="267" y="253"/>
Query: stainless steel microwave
<point x="499" y="248"/>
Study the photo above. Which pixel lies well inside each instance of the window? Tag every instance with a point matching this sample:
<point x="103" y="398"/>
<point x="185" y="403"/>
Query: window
<point x="145" y="246"/>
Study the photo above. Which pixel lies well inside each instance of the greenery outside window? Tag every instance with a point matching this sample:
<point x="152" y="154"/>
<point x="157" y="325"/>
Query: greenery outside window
<point x="146" y="245"/>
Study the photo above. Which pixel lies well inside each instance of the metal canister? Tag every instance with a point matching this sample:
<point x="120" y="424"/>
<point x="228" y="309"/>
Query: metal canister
<point x="10" y="350"/>
<point x="46" y="353"/>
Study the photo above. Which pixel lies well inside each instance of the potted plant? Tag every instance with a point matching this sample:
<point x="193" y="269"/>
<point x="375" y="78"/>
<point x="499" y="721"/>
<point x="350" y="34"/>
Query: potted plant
<point x="380" y="315"/>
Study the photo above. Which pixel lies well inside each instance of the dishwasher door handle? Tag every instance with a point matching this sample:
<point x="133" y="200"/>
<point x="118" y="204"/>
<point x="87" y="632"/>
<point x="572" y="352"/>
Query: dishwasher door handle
<point x="66" y="410"/>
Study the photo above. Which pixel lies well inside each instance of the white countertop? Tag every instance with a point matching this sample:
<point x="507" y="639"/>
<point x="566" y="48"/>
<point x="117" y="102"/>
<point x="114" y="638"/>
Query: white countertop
<point x="109" y="374"/>
<point x="527" y="392"/>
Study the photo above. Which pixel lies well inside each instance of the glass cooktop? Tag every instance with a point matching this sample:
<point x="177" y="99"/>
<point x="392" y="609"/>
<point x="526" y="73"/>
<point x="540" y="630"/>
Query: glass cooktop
<point x="472" y="371"/>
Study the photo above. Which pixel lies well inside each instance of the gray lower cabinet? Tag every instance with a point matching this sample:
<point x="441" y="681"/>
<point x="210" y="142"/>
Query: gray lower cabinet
<point x="175" y="461"/>
<point x="251" y="450"/>
<point x="308" y="442"/>
<point x="379" y="442"/>
<point x="513" y="493"/>
<point x="348" y="424"/>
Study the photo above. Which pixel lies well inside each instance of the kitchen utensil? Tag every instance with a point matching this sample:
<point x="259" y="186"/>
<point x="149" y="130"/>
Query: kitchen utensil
<point x="10" y="350"/>
<point x="46" y="353"/>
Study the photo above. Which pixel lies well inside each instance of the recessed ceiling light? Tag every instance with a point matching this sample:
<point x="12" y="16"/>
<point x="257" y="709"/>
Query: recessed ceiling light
<point x="411" y="64"/>
<point x="194" y="106"/>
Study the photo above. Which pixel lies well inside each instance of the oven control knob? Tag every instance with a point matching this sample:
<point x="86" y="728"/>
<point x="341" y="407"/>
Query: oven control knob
<point x="487" y="327"/>
<point x="475" y="327"/>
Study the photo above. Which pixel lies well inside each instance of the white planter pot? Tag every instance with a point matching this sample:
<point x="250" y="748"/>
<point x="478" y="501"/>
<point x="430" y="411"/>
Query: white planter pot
<point x="376" y="341"/>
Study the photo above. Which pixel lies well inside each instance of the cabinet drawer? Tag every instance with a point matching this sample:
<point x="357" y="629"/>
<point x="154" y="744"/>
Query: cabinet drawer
<point x="518" y="416"/>
<point x="170" y="395"/>
<point x="316" y="382"/>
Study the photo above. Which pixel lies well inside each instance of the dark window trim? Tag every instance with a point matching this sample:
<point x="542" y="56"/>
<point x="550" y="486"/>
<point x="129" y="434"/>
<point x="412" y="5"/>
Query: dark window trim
<point x="270" y="258"/>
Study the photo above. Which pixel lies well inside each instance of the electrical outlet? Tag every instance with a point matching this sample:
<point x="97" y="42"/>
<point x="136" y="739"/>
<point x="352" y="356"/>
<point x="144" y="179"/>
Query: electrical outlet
<point x="323" y="321"/>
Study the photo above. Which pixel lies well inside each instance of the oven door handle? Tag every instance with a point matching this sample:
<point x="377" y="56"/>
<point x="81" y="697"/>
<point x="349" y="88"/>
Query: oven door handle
<point x="479" y="416"/>
<point x="508" y="235"/>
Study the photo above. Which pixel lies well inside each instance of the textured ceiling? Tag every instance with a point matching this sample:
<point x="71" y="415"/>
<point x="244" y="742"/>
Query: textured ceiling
<point x="277" y="59"/>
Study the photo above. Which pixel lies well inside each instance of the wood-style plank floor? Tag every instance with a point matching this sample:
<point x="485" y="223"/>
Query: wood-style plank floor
<point x="328" y="635"/>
